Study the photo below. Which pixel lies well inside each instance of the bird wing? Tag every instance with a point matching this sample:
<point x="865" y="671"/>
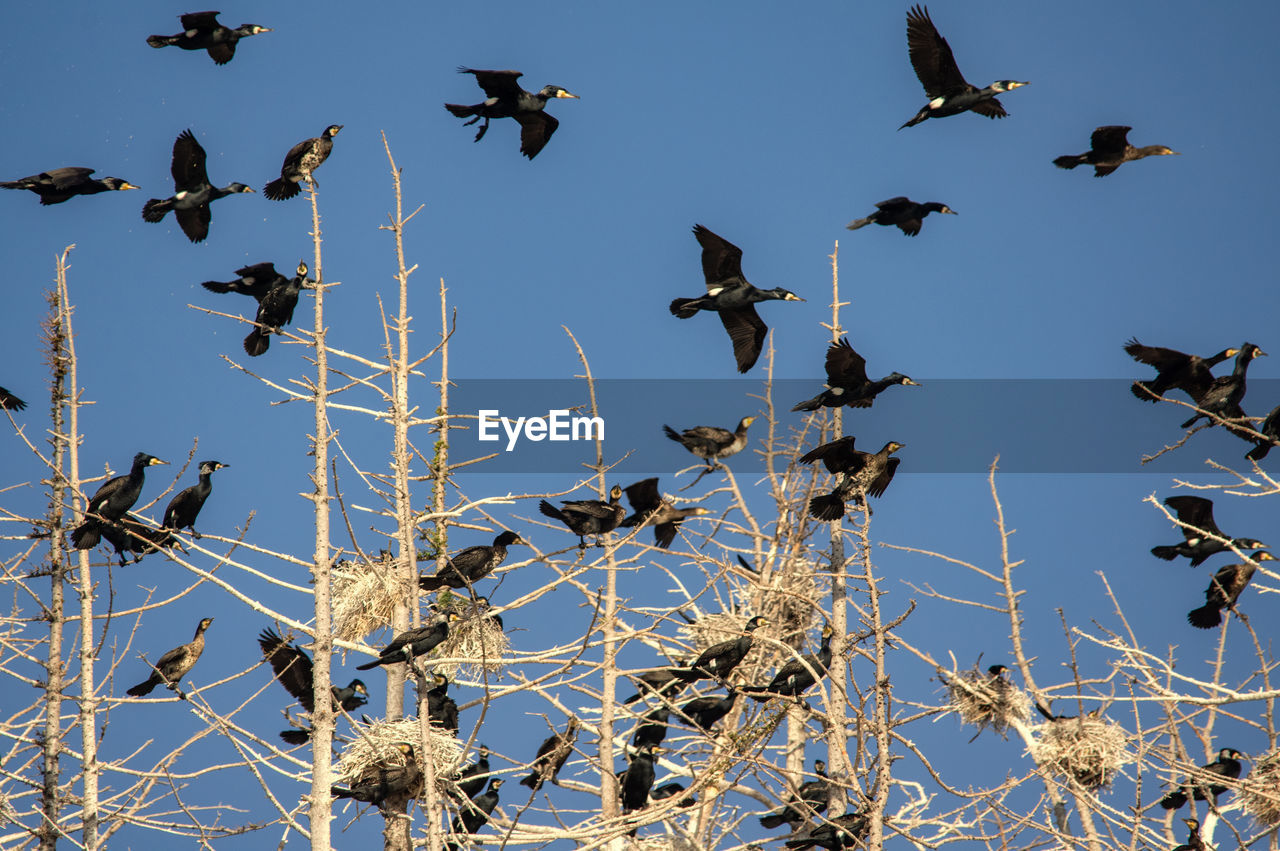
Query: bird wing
<point x="721" y="259"/>
<point x="844" y="365"/>
<point x="257" y="280"/>
<point x="195" y="222"/>
<point x="222" y="52"/>
<point x="910" y="227"/>
<point x="836" y="456"/>
<point x="644" y="496"/>
<point x="1157" y="356"/>
<point x="1112" y="139"/>
<point x="931" y="56"/>
<point x="711" y="434"/>
<point x="200" y="21"/>
<point x="882" y="481"/>
<point x="496" y="84"/>
<point x="535" y="131"/>
<point x="292" y="666"/>
<point x="1196" y="511"/>
<point x="747" y="331"/>
<point x="893" y="205"/>
<point x="990" y="107"/>
<point x="65" y="178"/>
<point x="590" y="508"/>
<point x="188" y="167"/>
<point x="297" y="152"/>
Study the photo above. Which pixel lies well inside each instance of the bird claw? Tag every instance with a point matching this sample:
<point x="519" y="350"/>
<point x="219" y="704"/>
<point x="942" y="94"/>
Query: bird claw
<point x="484" y="128"/>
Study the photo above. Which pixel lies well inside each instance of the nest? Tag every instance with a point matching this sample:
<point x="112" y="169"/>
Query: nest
<point x="476" y="637"/>
<point x="364" y="597"/>
<point x="1088" y="750"/>
<point x="377" y="748"/>
<point x="986" y="701"/>
<point x="1260" y="793"/>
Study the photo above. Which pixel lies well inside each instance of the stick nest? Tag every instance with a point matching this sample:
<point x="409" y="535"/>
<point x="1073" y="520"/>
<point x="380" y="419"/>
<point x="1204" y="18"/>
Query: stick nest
<point x="377" y="748"/>
<point x="1260" y="793"/>
<point x="364" y="596"/>
<point x="1088" y="750"/>
<point x="475" y="638"/>
<point x="986" y="701"/>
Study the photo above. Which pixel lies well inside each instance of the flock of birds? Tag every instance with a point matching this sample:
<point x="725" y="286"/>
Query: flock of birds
<point x="733" y="298"/>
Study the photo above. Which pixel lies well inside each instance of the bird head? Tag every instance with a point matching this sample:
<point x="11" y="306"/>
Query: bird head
<point x="1262" y="556"/>
<point x="785" y="294"/>
<point x="359" y="687"/>
<point x="698" y="511"/>
<point x="899" y="378"/>
<point x="1007" y="85"/>
<point x="1249" y="351"/>
<point x="997" y="670"/>
<point x="556" y="92"/>
<point x="508" y="538"/>
<point x="947" y="210"/>
<point x="893" y="446"/>
<point x="148" y="460"/>
<point x="1162" y="151"/>
<point x="118" y="183"/>
<point x="615" y="493"/>
<point x="746" y="422"/>
<point x="239" y="187"/>
<point x="332" y="130"/>
<point x="757" y="622"/>
<point x="495" y="784"/>
<point x="211" y="466"/>
<point x="252" y="29"/>
<point x="204" y="624"/>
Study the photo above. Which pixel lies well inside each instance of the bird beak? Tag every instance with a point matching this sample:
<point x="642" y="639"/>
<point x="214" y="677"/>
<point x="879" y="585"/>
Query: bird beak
<point x="792" y="297"/>
<point x="950" y="212"/>
<point x="248" y="189"/>
<point x="1016" y="85"/>
<point x="912" y="383"/>
<point x="563" y="94"/>
<point x="128" y="185"/>
<point x="155" y="461"/>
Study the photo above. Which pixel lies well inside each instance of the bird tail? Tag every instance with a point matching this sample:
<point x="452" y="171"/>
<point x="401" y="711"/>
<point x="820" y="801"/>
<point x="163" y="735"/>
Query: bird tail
<point x="1143" y="392"/>
<point x="1069" y="161"/>
<point x="533" y="781"/>
<point x="460" y="110"/>
<point x="1166" y="553"/>
<point x="685" y="307"/>
<point x="430" y="583"/>
<point x="86" y="536"/>
<point x="369" y="666"/>
<point x="341" y="792"/>
<point x="296" y="737"/>
<point x="142" y="688"/>
<point x="632" y="699"/>
<point x="772" y="820"/>
<point x="154" y="210"/>
<point x="280" y="190"/>
<point x="216" y="287"/>
<point x="257" y="342"/>
<point x="1174" y="800"/>
<point x="827" y="507"/>
<point x="1259" y="452"/>
<point x="13" y="184"/>
<point x="862" y="223"/>
<point x="809" y="404"/>
<point x="671" y="433"/>
<point x="162" y="40"/>
<point x="1046" y="713"/>
<point x="550" y="510"/>
<point x="917" y="118"/>
<point x="1189" y="423"/>
<point x="1205" y="617"/>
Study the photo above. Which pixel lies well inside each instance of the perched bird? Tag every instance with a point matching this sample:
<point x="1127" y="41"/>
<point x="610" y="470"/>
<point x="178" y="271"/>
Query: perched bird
<point x="860" y="473"/>
<point x="183" y="509"/>
<point x="1049" y="716"/>
<point x="663" y="682"/>
<point x="170" y="668"/>
<point x="201" y="31"/>
<point x="1109" y="149"/>
<point x="1270" y="430"/>
<point x="1224" y="590"/>
<point x="58" y="184"/>
<point x="793" y="678"/>
<point x="412" y="643"/>
<point x="637" y="780"/>
<point x="383" y="781"/>
<point x="293" y="669"/>
<point x="650" y="508"/>
<point x="712" y="443"/>
<point x="704" y="712"/>
<point x="505" y="99"/>
<point x="1174" y="370"/>
<point x="302" y="159"/>
<point x="652" y="729"/>
<point x="670" y="790"/>
<point x="949" y="93"/>
<point x="844" y="831"/>
<point x="128" y="536"/>
<point x="10" y="402"/>
<point x="256" y="280"/>
<point x="1226" y="766"/>
<point x="732" y="296"/>
<point x="588" y="516"/>
<point x="474" y="814"/>
<point x="192" y="191"/>
<point x="471" y="565"/>
<point x="1194" y="842"/>
<point x="719" y="660"/>
<point x="903" y="212"/>
<point x="275" y="310"/>
<point x="472" y="778"/>
<point x="442" y="710"/>
<point x="111" y="501"/>
<point x="847" y="382"/>
<point x="812" y="798"/>
<point x="1225" y="393"/>
<point x="1195" y="514"/>
<point x="551" y="757"/>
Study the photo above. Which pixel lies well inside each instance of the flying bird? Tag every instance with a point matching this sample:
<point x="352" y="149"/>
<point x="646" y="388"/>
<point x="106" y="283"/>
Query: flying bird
<point x="505" y="99"/>
<point x="847" y="382"/>
<point x="192" y="191"/>
<point x="202" y="31"/>
<point x="1109" y="149"/>
<point x="58" y="184"/>
<point x="903" y="212"/>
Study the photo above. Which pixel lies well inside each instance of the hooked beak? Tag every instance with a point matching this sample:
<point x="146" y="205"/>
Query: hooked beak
<point x="912" y="383"/>
<point x="128" y="185"/>
<point x="563" y="94"/>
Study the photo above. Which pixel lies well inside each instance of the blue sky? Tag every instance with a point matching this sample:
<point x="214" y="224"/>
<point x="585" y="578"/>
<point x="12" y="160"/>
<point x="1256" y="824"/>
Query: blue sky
<point x="771" y="125"/>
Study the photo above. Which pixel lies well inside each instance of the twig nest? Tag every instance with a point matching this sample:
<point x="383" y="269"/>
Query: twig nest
<point x="475" y="636"/>
<point x="1260" y="792"/>
<point x="364" y="596"/>
<point x="986" y="700"/>
<point x="380" y="746"/>
<point x="1089" y="750"/>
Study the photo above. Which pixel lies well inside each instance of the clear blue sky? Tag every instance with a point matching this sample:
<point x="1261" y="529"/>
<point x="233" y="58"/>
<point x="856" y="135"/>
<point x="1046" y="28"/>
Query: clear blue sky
<point x="773" y="126"/>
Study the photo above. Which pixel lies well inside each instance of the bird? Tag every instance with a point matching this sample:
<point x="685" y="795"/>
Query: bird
<point x="170" y="668"/>
<point x="812" y="797"/>
<point x="1270" y="431"/>
<point x="663" y="682"/>
<point x="651" y="509"/>
<point x="719" y="660"/>
<point x="1049" y="716"/>
<point x="192" y="191"/>
<point x="10" y="402"/>
<point x="302" y="159"/>
<point x="1109" y="149"/>
<point x="588" y="516"/>
<point x="860" y="473"/>
<point x="1224" y="590"/>
<point x="704" y="712"/>
<point x="793" y="678"/>
<point x="1226" y="766"/>
<point x="670" y="790"/>
<point x="903" y="212"/>
<point x="201" y="31"/>
<point x="293" y="669"/>
<point x="256" y="280"/>
<point x="412" y="643"/>
<point x="471" y="565"/>
<point x="111" y="501"/>
<point x="637" y="780"/>
<point x="59" y="184"/>
<point x="183" y="509"/>
<point x="1195" y="515"/>
<point x="384" y="780"/>
<point x="652" y="729"/>
<point x="1226" y="392"/>
<point x="847" y="382"/>
<point x="472" y="778"/>
<point x="505" y="99"/>
<point x="474" y="814"/>
<point x="551" y="757"/>
<point x="442" y="710"/>
<point x="1174" y="370"/>
<point x="949" y="93"/>
<point x="712" y="443"/>
<point x="128" y="535"/>
<point x="1194" y="842"/>
<point x="732" y="296"/>
<point x="844" y="831"/>
<point x="275" y="310"/>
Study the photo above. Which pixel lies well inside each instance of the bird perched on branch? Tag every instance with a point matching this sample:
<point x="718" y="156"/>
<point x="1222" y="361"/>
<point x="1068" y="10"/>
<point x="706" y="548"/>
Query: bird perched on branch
<point x="1224" y="590"/>
<point x="111" y="501"/>
<point x="1207" y="788"/>
<point x="412" y="643"/>
<point x="652" y="729"/>
<point x="796" y="676"/>
<point x="1270" y="431"/>
<point x="1225" y="394"/>
<point x="949" y="93"/>
<point x="1174" y="370"/>
<point x="183" y="509"/>
<point x="731" y="296"/>
<point x="128" y="535"/>
<point x="588" y="516"/>
<point x="1194" y="842"/>
<point x="704" y="712"/>
<point x="380" y="782"/>
<point x="551" y="757"/>
<point x="903" y="212"/>
<point x="192" y="191"/>
<point x="637" y="780"/>
<point x="847" y="382"/>
<point x="505" y="99"/>
<point x="170" y="668"/>
<point x="474" y="814"/>
<point x="1195" y="516"/>
<point x="472" y="778"/>
<point x="59" y="184"/>
<point x="471" y="565"/>
<point x="1109" y="149"/>
<point x="861" y="473"/>
<point x="846" y="831"/>
<point x="663" y="682"/>
<point x="651" y="509"/>
<point x="712" y="443"/>
<point x="300" y="163"/>
<point x="811" y="798"/>
<point x="201" y="31"/>
<point x="293" y="670"/>
<point x="719" y="660"/>
<point x="275" y="310"/>
<point x="442" y="710"/>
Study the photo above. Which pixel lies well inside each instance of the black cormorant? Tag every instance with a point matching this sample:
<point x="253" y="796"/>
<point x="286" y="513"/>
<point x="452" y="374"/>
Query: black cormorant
<point x="111" y="501"/>
<point x="382" y="781"/>
<point x="1174" y="369"/>
<point x="552" y="754"/>
<point x="1194" y="842"/>
<point x="670" y="790"/>
<point x="903" y="212"/>
<point x="185" y="507"/>
<point x="793" y="678"/>
<point x="652" y="729"/>
<point x="470" y="565"/>
<point x="949" y="93"/>
<point x="474" y="814"/>
<point x="472" y="778"/>
<point x="170" y="668"/>
<point x="1224" y="590"/>
<point x="1227" y="392"/>
<point x="588" y="516"/>
<point x="442" y="710"/>
<point x="413" y="643"/>
<point x="302" y="159"/>
<point x="732" y="296"/>
<point x="58" y="184"/>
<point x="192" y="193"/>
<point x="860" y="472"/>
<point x="1109" y="149"/>
<point x="846" y="831"/>
<point x="812" y="798"/>
<point x="1197" y="512"/>
<point x="637" y="780"/>
<point x="1270" y="429"/>
<point x="712" y="443"/>
<point x="505" y="99"/>
<point x="10" y="402"/>
<point x="847" y="382"/>
<point x="719" y="660"/>
<point x="651" y="509"/>
<point x="1227" y="766"/>
<point x="201" y="31"/>
<point x="663" y="682"/>
<point x="256" y="280"/>
<point x="293" y="670"/>
<point x="704" y="712"/>
<point x="275" y="310"/>
<point x="128" y="535"/>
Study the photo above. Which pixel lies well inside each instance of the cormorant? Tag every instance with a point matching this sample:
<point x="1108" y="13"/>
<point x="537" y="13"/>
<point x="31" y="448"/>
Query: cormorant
<point x="412" y="643"/>
<point x="903" y="212"/>
<point x="256" y="280"/>
<point x="1197" y="512"/>
<point x="10" y="402"/>
<point x="471" y="565"/>
<point x="704" y="712"/>
<point x="473" y="777"/>
<point x="185" y="507"/>
<point x="128" y="535"/>
<point x="293" y="670"/>
<point x="732" y="296"/>
<point x="670" y="790"/>
<point x="1174" y="369"/>
<point x="949" y="93"/>
<point x="201" y="31"/>
<point x="663" y="682"/>
<point x="650" y="508"/>
<point x="1227" y="766"/>
<point x="588" y="516"/>
<point x="1194" y="842"/>
<point x="652" y="729"/>
<point x="170" y="668"/>
<point x="505" y="99"/>
<point x="474" y="814"/>
<point x="637" y="780"/>
<point x="1225" y="393"/>
<point x="442" y="710"/>
<point x="712" y="443"/>
<point x="1049" y="716"/>
<point x="380" y="782"/>
<point x="719" y="660"/>
<point x="847" y="382"/>
<point x="812" y="798"/>
<point x="192" y="193"/>
<point x="552" y="754"/>
<point x="302" y="159"/>
<point x="58" y="184"/>
<point x="1270" y="429"/>
<point x="1109" y="149"/>
<point x="844" y="831"/>
<point x="793" y="678"/>
<point x="1224" y="590"/>
<point x="860" y="473"/>
<point x="275" y="310"/>
<point x="111" y="501"/>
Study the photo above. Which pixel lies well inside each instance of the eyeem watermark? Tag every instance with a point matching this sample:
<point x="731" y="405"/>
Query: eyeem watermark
<point x="556" y="425"/>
